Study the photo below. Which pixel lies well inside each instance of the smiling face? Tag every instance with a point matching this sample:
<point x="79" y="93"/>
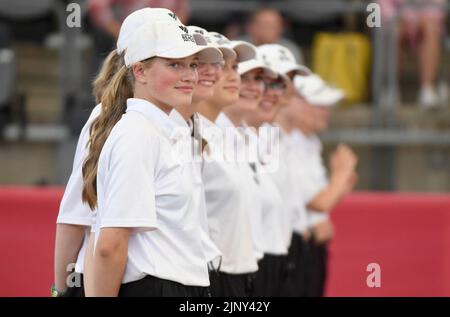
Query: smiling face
<point x="208" y="75"/>
<point x="252" y="90"/>
<point x="226" y="90"/>
<point x="271" y="99"/>
<point x="167" y="83"/>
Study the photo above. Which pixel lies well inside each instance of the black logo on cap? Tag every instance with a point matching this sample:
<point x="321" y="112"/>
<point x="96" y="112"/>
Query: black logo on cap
<point x="221" y="39"/>
<point x="283" y="56"/>
<point x="199" y="31"/>
<point x="183" y="28"/>
<point x="188" y="38"/>
<point x="173" y="16"/>
<point x="265" y="60"/>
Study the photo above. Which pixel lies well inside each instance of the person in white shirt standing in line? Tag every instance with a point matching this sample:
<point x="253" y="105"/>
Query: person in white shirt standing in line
<point x="252" y="88"/>
<point x="320" y="194"/>
<point x="227" y="180"/>
<point x="275" y="202"/>
<point x="75" y="218"/>
<point x="187" y="120"/>
<point x="146" y="236"/>
<point x="296" y="284"/>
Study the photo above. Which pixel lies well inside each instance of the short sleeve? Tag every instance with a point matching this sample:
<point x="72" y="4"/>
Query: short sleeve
<point x="128" y="184"/>
<point x="310" y="185"/>
<point x="72" y="209"/>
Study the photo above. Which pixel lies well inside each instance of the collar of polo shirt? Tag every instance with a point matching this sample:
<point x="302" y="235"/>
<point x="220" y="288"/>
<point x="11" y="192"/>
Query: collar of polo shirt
<point x="153" y="113"/>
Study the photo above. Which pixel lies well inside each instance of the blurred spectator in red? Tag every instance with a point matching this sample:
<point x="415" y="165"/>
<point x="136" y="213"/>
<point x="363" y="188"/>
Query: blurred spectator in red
<point x="266" y="26"/>
<point x="109" y="14"/>
<point x="421" y="26"/>
<point x="106" y="17"/>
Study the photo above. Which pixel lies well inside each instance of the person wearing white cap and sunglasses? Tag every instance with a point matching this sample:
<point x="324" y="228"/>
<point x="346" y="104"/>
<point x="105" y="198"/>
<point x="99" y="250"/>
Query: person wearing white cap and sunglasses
<point x="276" y="192"/>
<point x="284" y="178"/>
<point x="75" y="218"/>
<point x="226" y="180"/>
<point x="145" y="236"/>
<point x="320" y="194"/>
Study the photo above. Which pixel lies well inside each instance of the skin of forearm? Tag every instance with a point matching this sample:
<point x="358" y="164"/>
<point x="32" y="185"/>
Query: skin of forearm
<point x="110" y="258"/>
<point x="68" y="241"/>
<point x="328" y="198"/>
<point x="89" y="266"/>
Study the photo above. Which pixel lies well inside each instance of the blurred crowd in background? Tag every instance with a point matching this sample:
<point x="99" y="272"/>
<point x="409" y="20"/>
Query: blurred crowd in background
<point x="395" y="77"/>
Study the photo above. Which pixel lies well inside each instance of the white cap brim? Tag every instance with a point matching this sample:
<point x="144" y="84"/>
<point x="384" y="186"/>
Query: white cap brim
<point x="299" y="69"/>
<point x="227" y="52"/>
<point x="199" y="39"/>
<point x="244" y="50"/>
<point x="328" y="97"/>
<point x="206" y="54"/>
<point x="252" y="64"/>
<point x="306" y="85"/>
<point x="317" y="92"/>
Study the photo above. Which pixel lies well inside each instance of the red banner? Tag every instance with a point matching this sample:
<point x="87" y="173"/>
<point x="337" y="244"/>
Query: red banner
<point x="407" y="235"/>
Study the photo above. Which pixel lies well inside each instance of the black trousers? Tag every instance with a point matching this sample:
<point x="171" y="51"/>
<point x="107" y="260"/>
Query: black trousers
<point x="231" y="285"/>
<point x="151" y="286"/>
<point x="75" y="291"/>
<point x="271" y="275"/>
<point x="298" y="268"/>
<point x="318" y="267"/>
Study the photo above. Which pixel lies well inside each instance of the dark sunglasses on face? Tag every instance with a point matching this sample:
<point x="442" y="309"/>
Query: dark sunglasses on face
<point x="274" y="85"/>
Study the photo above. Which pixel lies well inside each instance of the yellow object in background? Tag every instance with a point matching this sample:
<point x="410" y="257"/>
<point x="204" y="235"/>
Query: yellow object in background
<point x="343" y="60"/>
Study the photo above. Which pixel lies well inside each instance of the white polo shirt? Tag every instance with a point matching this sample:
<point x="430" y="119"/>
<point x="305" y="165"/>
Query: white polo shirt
<point x="273" y="209"/>
<point x="226" y="193"/>
<point x="72" y="210"/>
<point x="295" y="164"/>
<point x="283" y="180"/>
<point x="142" y="185"/>
<point x="212" y="253"/>
<point x="247" y="161"/>
<point x="313" y="176"/>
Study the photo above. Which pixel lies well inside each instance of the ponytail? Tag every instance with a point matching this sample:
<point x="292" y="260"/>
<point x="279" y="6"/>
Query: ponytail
<point x="113" y="100"/>
<point x="111" y="65"/>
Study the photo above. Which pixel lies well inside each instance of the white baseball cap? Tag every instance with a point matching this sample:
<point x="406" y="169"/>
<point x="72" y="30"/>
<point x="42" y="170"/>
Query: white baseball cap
<point x="317" y="92"/>
<point x="202" y="37"/>
<point x="167" y="40"/>
<point x="255" y="63"/>
<point x="328" y="97"/>
<point x="143" y="16"/>
<point x="282" y="60"/>
<point x="240" y="50"/>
